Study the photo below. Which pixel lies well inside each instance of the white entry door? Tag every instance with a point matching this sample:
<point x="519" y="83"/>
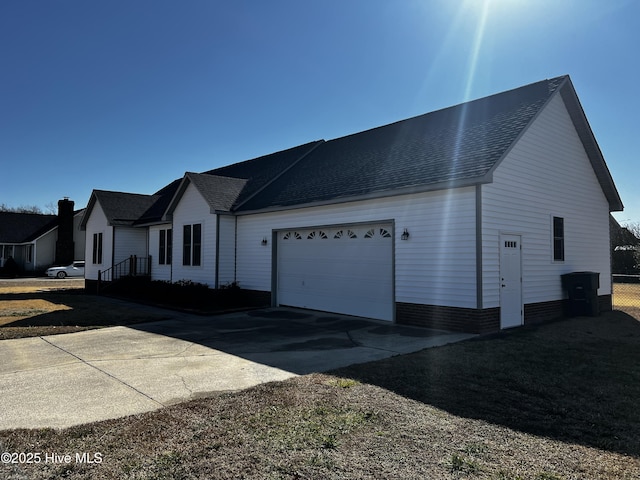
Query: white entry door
<point x="511" y="308"/>
<point x="343" y="269"/>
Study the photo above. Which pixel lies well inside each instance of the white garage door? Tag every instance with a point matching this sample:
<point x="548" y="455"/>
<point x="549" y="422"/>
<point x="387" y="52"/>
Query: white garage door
<point x="338" y="269"/>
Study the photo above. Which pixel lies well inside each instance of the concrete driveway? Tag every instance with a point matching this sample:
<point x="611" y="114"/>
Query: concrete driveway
<point x="63" y="380"/>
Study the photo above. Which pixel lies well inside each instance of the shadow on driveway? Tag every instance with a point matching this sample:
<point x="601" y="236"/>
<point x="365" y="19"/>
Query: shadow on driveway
<point x="301" y="341"/>
<point x="58" y="381"/>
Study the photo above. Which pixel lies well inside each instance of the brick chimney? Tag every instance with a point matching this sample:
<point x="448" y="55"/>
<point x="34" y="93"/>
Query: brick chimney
<point x="64" y="244"/>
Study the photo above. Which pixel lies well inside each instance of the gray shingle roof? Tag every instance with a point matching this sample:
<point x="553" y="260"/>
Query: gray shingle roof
<point x="124" y="208"/>
<point x="163" y="197"/>
<point x="260" y="171"/>
<point x="459" y="145"/>
<point x="24" y="227"/>
<point x="452" y="145"/>
<point x="220" y="193"/>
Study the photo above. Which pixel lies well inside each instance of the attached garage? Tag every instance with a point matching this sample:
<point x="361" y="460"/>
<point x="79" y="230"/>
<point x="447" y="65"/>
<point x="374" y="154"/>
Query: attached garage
<point x="344" y="269"/>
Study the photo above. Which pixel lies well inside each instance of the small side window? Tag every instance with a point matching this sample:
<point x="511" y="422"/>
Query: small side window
<point x="558" y="239"/>
<point x="97" y="249"/>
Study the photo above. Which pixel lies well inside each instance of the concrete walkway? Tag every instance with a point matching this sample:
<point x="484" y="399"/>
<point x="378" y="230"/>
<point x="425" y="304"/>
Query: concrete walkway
<point x="63" y="380"/>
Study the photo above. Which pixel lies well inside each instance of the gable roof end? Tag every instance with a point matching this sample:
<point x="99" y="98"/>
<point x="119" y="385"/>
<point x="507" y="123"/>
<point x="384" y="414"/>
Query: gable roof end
<point x="572" y="103"/>
<point x="120" y="208"/>
<point x="220" y="193"/>
<point x="18" y="227"/>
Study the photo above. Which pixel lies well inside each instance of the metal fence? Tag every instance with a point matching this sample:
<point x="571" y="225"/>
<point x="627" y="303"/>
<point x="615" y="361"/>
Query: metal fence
<point x="626" y="294"/>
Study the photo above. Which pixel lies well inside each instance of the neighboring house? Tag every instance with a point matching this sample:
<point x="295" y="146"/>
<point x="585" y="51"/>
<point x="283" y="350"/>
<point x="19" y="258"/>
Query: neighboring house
<point x="625" y="250"/>
<point x="464" y="218"/>
<point x="37" y="241"/>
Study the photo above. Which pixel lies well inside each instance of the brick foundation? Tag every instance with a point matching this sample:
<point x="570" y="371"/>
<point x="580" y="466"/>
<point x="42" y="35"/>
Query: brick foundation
<point x="486" y="320"/>
<point x="448" y="318"/>
<point x="605" y="303"/>
<point x="256" y="298"/>
<point x="543" y="311"/>
<point x="90" y="286"/>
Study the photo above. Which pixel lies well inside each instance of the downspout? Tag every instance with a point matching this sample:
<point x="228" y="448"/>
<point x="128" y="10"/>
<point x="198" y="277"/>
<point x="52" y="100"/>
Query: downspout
<point x="216" y="281"/>
<point x="274" y="269"/>
<point x="113" y="247"/>
<point x="173" y="232"/>
<point x="479" y="290"/>
<point x="235" y="249"/>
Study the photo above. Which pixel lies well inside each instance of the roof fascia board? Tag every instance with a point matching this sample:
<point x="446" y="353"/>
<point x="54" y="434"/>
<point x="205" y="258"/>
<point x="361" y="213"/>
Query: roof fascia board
<point x="88" y="210"/>
<point x="590" y="144"/>
<point x="43" y="235"/>
<point x="186" y="180"/>
<point x="526" y="128"/>
<point x="78" y="213"/>
<point x="168" y="213"/>
<point x="293" y="164"/>
<point x="93" y="200"/>
<point x="152" y="223"/>
<point x="212" y="209"/>
<point x="469" y="182"/>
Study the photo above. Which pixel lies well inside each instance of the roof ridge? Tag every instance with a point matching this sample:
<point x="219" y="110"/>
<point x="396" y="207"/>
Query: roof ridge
<point x="209" y="172"/>
<point x="315" y="145"/>
<point x="414" y="152"/>
<point x="458" y="105"/>
<point x="31" y="213"/>
<point x="126" y="193"/>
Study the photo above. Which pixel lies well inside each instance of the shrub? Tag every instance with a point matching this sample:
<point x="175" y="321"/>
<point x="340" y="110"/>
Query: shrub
<point x="183" y="293"/>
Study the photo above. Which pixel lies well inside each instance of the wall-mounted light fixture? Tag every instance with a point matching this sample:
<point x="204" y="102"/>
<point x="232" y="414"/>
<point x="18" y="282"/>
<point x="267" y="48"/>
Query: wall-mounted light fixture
<point x="405" y="235"/>
<point x="264" y="241"/>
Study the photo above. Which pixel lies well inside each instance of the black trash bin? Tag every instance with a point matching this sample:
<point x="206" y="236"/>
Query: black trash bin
<point x="582" y="288"/>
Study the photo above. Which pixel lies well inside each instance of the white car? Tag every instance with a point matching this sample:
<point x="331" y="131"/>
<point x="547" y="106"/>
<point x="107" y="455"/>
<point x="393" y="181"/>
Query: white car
<point x="76" y="269"/>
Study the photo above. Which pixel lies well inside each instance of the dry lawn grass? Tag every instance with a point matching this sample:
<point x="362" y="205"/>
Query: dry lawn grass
<point x="626" y="297"/>
<point x="557" y="401"/>
<point x="41" y="307"/>
<point x="13" y="310"/>
<point x="39" y="285"/>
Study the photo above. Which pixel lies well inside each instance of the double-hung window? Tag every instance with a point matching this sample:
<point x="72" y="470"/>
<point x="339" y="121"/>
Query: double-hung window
<point x="192" y="244"/>
<point x="97" y="248"/>
<point x="558" y="239"/>
<point x="165" y="247"/>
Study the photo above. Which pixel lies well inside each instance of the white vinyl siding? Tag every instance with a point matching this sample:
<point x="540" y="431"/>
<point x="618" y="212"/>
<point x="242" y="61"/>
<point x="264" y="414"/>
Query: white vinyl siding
<point x="158" y="272"/>
<point x="45" y="249"/>
<point x="226" y="250"/>
<point x="435" y="266"/>
<point x="79" y="238"/>
<point x="97" y="223"/>
<point x="193" y="209"/>
<point x="546" y="174"/>
<point x="129" y="241"/>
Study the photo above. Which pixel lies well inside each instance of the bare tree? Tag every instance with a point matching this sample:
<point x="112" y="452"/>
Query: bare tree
<point x="625" y="248"/>
<point x="51" y="208"/>
<point x="633" y="228"/>
<point x="21" y="209"/>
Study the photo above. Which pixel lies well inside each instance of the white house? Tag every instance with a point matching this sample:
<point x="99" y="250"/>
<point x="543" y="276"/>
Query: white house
<point x="464" y="218"/>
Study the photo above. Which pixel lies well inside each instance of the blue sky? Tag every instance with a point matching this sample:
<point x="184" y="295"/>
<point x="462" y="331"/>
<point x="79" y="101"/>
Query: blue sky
<point x="128" y="95"/>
